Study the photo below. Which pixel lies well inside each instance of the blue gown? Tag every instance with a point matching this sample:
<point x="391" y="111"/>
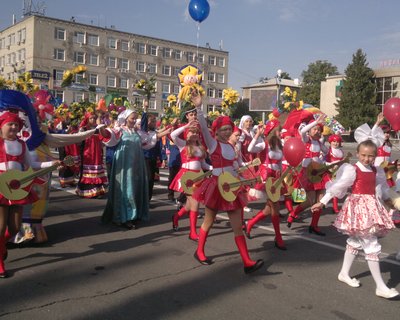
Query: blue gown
<point x="128" y="189"/>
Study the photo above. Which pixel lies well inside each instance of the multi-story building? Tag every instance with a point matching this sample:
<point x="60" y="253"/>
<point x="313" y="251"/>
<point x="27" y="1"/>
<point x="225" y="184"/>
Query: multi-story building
<point x="115" y="60"/>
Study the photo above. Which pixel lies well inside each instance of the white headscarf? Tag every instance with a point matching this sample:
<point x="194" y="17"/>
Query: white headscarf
<point x="124" y="115"/>
<point x="243" y="119"/>
<point x="364" y="132"/>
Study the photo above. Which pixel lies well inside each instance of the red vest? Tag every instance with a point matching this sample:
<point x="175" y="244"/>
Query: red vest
<point x="365" y="182"/>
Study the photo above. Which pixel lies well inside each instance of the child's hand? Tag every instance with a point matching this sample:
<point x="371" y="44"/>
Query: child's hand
<point x="380" y="118"/>
<point x="317" y="206"/>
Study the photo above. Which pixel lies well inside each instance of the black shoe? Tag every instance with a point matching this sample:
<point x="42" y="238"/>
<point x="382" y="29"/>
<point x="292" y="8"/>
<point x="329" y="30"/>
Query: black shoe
<point x="283" y="248"/>
<point x="312" y="229"/>
<point x="5" y="255"/>
<point x="175" y="227"/>
<point x="128" y="225"/>
<point x="4" y="275"/>
<point x="290" y="221"/>
<point x="248" y="235"/>
<point x="259" y="263"/>
<point x="206" y="262"/>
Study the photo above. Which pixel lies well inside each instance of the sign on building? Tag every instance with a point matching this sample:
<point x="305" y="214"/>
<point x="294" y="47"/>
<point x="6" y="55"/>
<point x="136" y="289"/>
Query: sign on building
<point x="262" y="100"/>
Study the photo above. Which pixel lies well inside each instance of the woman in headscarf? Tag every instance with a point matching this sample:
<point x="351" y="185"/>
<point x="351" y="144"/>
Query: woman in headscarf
<point x="128" y="200"/>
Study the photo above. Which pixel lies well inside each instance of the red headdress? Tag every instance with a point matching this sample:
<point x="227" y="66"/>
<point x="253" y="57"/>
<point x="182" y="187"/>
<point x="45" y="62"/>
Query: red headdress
<point x="237" y="129"/>
<point x="220" y="122"/>
<point x="271" y="125"/>
<point x="85" y="120"/>
<point x="8" y="116"/>
<point x="385" y="128"/>
<point x="335" y="137"/>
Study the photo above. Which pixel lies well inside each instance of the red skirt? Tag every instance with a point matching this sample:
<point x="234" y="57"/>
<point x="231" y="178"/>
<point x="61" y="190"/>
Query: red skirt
<point x="176" y="182"/>
<point x="209" y="195"/>
<point x="302" y="181"/>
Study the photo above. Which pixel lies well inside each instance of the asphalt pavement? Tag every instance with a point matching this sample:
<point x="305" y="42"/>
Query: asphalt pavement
<point x="88" y="270"/>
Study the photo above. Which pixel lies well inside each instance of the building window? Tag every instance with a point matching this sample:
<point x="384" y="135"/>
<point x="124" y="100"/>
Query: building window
<point x="111" y="81"/>
<point x="212" y="60"/>
<point x="200" y="58"/>
<point x="79" y="96"/>
<point x="112" y="43"/>
<point x="23" y="35"/>
<point x="166" y="70"/>
<point x="220" y="93"/>
<point x="190" y="57"/>
<point x="141" y="48"/>
<point x="112" y="62"/>
<point x="152" y="104"/>
<point x="59" y="54"/>
<point x="79" y="57"/>
<point x="93" y="79"/>
<point x="94" y="59"/>
<point x="79" y="78"/>
<point x="167" y="52"/>
<point x="166" y="87"/>
<point x="140" y="66"/>
<point x="58" y="75"/>
<point x="124" y="64"/>
<point x="220" y="78"/>
<point x="123" y="83"/>
<point x="124" y="45"/>
<point x="211" y="93"/>
<point x="93" y="97"/>
<point x="152" y="68"/>
<point x="176" y="88"/>
<point x="93" y="40"/>
<point x="79" y="37"/>
<point x="211" y="77"/>
<point x="221" y="62"/>
<point x="12" y="39"/>
<point x="59" y="95"/>
<point x="210" y="108"/>
<point x="178" y="55"/>
<point x="176" y="70"/>
<point x="59" y="34"/>
<point x="153" y="50"/>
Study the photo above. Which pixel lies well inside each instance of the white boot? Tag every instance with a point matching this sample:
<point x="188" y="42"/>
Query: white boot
<point x="381" y="289"/>
<point x="343" y="275"/>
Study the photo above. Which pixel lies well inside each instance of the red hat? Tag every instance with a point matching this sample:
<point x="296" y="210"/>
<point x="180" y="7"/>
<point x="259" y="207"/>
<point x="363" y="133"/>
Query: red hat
<point x="335" y="137"/>
<point x="237" y="129"/>
<point x="7" y="117"/>
<point x="220" y="122"/>
<point x="385" y="128"/>
<point x="271" y="125"/>
<point x="85" y="120"/>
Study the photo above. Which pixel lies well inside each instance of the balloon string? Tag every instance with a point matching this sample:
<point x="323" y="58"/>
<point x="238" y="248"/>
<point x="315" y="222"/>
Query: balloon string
<point x="197" y="47"/>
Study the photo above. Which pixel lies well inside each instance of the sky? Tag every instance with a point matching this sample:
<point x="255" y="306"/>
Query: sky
<point x="261" y="36"/>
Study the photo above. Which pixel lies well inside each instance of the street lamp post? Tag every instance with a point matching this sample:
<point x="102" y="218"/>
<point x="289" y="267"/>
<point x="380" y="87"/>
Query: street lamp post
<point x="278" y="84"/>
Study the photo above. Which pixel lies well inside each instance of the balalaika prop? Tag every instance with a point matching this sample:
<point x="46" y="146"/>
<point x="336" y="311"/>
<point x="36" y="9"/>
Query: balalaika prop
<point x="16" y="184"/>
<point x="228" y="184"/>
<point x="315" y="170"/>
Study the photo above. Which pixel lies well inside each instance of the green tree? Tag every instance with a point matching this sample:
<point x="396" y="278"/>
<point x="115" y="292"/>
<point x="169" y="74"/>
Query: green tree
<point x="357" y="103"/>
<point x="312" y="77"/>
<point x="242" y="108"/>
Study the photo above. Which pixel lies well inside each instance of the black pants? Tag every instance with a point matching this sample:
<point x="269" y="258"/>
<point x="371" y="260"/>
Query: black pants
<point x="151" y="165"/>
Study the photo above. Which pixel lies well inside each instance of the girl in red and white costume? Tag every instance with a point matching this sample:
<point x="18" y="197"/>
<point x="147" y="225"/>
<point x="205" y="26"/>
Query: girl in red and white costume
<point x="246" y="125"/>
<point x="385" y="152"/>
<point x="335" y="154"/>
<point x="193" y="159"/>
<point x="311" y="135"/>
<point x="363" y="217"/>
<point x="271" y="167"/>
<point x="223" y="159"/>
<point x="14" y="154"/>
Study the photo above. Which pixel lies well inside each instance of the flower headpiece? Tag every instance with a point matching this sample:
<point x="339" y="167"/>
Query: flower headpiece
<point x="364" y="132"/>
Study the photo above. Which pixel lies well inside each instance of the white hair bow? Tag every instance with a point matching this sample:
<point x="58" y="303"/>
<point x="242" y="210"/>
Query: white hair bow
<point x="364" y="132"/>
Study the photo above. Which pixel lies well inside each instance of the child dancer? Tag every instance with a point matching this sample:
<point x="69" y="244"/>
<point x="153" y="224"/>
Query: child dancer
<point x="193" y="159"/>
<point x="334" y="154"/>
<point x="271" y="167"/>
<point x="311" y="135"/>
<point x="223" y="159"/>
<point x="13" y="155"/>
<point x="363" y="217"/>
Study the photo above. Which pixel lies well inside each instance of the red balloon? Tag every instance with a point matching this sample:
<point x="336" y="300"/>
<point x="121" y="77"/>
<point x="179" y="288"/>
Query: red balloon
<point x="294" y="151"/>
<point x="391" y="111"/>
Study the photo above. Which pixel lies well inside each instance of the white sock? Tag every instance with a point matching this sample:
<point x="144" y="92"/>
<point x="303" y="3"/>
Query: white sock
<point x="376" y="274"/>
<point x="347" y="262"/>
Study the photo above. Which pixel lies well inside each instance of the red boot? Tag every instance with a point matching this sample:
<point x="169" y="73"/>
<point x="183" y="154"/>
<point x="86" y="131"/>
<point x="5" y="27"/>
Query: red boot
<point x="250" y="223"/>
<point x="199" y="254"/>
<point x="3" y="272"/>
<point x="313" y="228"/>
<point x="249" y="265"/>
<point x="278" y="237"/>
<point x="335" y="205"/>
<point x="177" y="216"/>
<point x="294" y="215"/>
<point x="289" y="204"/>
<point x="193" y="222"/>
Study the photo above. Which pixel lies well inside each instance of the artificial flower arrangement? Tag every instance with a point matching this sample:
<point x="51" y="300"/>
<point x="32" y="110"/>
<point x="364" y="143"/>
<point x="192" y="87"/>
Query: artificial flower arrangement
<point x="147" y="87"/>
<point x="24" y="83"/>
<point x="212" y="115"/>
<point x="172" y="111"/>
<point x="290" y="101"/>
<point x="230" y="98"/>
<point x="69" y="75"/>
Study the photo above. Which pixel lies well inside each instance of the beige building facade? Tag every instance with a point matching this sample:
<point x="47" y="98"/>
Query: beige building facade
<point x="115" y="61"/>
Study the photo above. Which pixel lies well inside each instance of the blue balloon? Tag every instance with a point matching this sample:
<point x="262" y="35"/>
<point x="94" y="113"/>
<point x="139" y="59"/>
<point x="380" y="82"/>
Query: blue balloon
<point x="199" y="10"/>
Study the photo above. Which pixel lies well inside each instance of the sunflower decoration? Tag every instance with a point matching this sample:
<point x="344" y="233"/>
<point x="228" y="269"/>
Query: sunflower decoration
<point x="190" y="79"/>
<point x="172" y="111"/>
<point x="62" y="112"/>
<point x="69" y="75"/>
<point x="77" y="111"/>
<point x="25" y="84"/>
<point x="212" y="115"/>
<point x="230" y="98"/>
<point x="290" y="101"/>
<point x="146" y="87"/>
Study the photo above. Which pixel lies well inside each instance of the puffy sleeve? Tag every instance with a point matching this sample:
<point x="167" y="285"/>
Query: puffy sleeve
<point x="345" y="177"/>
<point x="115" y="136"/>
<point x="180" y="143"/>
<point x="210" y="142"/>
<point x="256" y="145"/>
<point x="382" y="188"/>
<point x="149" y="139"/>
